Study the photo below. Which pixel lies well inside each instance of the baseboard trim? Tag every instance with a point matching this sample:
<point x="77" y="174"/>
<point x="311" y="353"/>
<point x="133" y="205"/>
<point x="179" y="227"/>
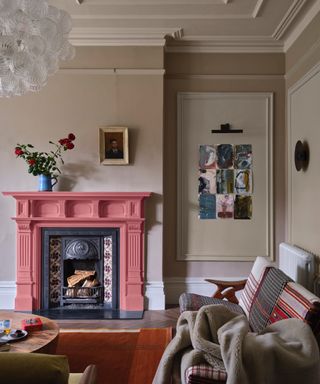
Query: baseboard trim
<point x="157" y="293"/>
<point x="7" y="294"/>
<point x="154" y="295"/>
<point x="174" y="286"/>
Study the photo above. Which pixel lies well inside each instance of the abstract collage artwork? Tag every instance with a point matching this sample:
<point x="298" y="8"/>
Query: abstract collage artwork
<point x="225" y="181"/>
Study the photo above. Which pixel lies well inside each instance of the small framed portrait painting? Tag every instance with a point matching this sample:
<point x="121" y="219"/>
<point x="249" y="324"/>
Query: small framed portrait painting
<point x="114" y="145"/>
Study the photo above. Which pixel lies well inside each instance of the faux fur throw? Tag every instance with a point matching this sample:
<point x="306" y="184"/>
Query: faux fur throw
<point x="285" y="351"/>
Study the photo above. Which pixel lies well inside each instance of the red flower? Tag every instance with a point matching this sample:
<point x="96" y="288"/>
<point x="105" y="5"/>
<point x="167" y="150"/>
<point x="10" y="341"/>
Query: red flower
<point x="63" y="141"/>
<point x="44" y="163"/>
<point x="18" y="151"/>
<point x="69" y="145"/>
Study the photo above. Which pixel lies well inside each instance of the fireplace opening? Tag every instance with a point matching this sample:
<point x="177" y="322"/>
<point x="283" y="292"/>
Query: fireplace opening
<point x="82" y="271"/>
<point x="80" y="268"/>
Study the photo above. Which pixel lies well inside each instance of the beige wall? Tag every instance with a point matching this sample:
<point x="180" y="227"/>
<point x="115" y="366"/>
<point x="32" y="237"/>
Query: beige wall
<point x="80" y="102"/>
<point x="303" y="90"/>
<point x="219" y="73"/>
<point x="304" y="53"/>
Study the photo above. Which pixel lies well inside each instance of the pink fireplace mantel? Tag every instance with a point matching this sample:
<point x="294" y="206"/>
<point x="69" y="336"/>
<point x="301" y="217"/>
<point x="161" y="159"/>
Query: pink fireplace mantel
<point x="37" y="210"/>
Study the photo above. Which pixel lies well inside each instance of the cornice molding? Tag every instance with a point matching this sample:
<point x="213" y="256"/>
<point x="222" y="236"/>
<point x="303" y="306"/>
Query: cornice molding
<point x="301" y="26"/>
<point x="112" y="71"/>
<point x="257" y="8"/>
<point x="123" y="36"/>
<point x="225" y="44"/>
<point x="287" y="31"/>
<point x="174" y="16"/>
<point x="224" y="77"/>
<point x="288" y="19"/>
<point x="154" y="2"/>
<point x="303" y="59"/>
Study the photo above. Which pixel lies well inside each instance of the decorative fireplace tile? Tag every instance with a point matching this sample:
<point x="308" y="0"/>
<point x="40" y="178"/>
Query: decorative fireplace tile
<point x="55" y="271"/>
<point x="55" y="254"/>
<point x="107" y="256"/>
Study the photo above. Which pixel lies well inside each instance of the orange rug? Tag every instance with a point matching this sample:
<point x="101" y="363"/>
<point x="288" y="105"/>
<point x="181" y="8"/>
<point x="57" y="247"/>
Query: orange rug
<point x="122" y="357"/>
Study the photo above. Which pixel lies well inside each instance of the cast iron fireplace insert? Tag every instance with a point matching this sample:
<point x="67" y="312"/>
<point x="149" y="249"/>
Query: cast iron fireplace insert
<point x="80" y="274"/>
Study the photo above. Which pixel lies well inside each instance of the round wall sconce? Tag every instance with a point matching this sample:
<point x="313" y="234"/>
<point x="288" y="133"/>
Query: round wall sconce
<point x="301" y="155"/>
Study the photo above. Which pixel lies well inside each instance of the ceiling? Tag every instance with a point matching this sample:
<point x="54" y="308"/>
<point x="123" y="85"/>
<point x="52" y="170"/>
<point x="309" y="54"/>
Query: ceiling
<point x="190" y="25"/>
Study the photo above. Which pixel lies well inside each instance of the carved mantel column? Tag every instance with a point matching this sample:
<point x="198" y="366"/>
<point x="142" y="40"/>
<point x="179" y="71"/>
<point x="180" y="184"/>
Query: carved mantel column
<point x="25" y="278"/>
<point x="134" y="283"/>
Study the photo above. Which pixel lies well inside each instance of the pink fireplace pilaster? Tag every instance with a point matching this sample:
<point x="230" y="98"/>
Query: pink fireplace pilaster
<point x="37" y="210"/>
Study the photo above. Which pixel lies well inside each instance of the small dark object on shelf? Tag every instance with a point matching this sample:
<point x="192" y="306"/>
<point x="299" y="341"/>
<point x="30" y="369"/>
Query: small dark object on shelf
<point x="226" y="128"/>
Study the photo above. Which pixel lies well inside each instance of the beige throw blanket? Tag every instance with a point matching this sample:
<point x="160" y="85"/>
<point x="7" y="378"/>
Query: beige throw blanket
<point x="285" y="352"/>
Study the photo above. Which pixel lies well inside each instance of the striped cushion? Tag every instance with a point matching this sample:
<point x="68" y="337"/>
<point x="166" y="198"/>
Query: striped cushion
<point x="253" y="282"/>
<point x="204" y="373"/>
<point x="193" y="302"/>
<point x="270" y="289"/>
<point x="297" y="301"/>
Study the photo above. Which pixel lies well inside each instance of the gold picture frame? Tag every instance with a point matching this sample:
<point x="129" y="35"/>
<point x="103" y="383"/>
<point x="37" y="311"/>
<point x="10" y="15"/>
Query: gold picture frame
<point x="114" y="145"/>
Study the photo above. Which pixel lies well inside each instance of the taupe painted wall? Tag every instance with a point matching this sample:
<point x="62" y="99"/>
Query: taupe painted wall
<point x="219" y="73"/>
<point x="304" y="53"/>
<point x="303" y="124"/>
<point x="80" y="102"/>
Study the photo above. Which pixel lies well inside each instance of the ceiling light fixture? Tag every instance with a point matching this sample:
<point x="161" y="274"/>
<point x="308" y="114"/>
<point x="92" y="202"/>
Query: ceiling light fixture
<point x="33" y="39"/>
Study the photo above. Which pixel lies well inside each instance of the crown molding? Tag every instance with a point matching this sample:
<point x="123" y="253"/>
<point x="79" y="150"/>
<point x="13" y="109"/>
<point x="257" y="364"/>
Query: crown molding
<point x="112" y="71"/>
<point x="173" y="40"/>
<point x="168" y="16"/>
<point x="257" y="8"/>
<point x="303" y="59"/>
<point x="288" y="30"/>
<point x="288" y="19"/>
<point x="224" y="77"/>
<point x="152" y="2"/>
<point x="301" y="26"/>
<point x="123" y="36"/>
<point x="225" y="44"/>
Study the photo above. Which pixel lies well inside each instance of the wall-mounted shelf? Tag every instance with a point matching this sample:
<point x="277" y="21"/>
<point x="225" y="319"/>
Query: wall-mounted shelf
<point x="225" y="128"/>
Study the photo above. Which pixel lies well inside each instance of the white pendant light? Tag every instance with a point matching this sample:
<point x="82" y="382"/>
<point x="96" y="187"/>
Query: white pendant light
<point x="33" y="39"/>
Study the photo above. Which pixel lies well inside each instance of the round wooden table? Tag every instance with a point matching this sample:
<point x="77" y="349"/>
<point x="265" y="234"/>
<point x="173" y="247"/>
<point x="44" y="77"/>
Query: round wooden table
<point x="43" y="341"/>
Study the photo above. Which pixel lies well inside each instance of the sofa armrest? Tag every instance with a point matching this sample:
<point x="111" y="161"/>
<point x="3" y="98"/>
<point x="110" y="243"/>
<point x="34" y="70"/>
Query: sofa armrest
<point x="227" y="289"/>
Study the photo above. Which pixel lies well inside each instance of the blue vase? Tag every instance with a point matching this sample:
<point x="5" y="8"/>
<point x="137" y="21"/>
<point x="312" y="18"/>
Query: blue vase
<point x="45" y="183"/>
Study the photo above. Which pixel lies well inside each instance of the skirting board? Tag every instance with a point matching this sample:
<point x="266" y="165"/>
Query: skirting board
<point x="174" y="286"/>
<point x="154" y="295"/>
<point x="157" y="293"/>
<point x="7" y="294"/>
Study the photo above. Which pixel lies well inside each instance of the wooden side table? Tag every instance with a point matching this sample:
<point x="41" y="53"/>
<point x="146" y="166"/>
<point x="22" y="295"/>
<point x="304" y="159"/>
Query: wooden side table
<point x="43" y="341"/>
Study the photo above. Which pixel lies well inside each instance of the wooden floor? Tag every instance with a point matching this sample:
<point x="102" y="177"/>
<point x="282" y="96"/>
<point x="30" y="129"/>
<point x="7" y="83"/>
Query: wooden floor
<point x="151" y="319"/>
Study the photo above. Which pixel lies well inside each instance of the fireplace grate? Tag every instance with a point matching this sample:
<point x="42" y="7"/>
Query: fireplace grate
<point x="80" y="295"/>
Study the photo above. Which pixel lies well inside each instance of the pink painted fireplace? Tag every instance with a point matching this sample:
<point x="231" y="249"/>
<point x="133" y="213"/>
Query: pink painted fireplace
<point x="38" y="210"/>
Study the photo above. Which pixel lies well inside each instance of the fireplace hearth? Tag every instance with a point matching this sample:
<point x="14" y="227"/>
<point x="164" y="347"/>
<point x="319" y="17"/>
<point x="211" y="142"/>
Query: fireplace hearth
<point x="122" y="212"/>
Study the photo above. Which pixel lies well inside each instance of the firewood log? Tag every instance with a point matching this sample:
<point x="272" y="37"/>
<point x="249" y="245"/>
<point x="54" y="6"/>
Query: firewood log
<point x="73" y="280"/>
<point x="80" y="272"/>
<point x="87" y="284"/>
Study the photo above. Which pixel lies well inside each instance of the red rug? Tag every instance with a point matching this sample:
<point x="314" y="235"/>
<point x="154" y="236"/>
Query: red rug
<point x="121" y="356"/>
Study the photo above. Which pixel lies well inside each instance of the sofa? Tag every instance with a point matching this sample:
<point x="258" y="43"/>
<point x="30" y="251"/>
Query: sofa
<point x="267" y="296"/>
<point x="36" y="368"/>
